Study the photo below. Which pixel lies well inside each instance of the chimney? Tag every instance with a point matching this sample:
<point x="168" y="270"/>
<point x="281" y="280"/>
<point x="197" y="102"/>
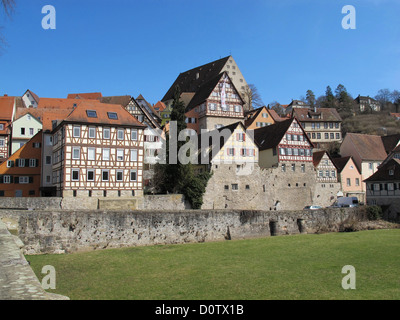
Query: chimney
<point x="6" y="95"/>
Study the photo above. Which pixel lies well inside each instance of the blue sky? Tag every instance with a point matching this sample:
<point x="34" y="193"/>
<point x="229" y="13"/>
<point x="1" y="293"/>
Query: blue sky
<point x="140" y="46"/>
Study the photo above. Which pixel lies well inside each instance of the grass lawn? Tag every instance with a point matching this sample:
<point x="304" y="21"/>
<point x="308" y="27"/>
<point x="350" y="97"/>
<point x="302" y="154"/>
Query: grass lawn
<point x="286" y="267"/>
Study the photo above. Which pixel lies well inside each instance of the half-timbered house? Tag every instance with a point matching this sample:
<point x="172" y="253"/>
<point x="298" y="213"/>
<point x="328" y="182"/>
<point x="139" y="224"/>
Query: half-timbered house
<point x="98" y="151"/>
<point x="284" y="143"/>
<point x="217" y="103"/>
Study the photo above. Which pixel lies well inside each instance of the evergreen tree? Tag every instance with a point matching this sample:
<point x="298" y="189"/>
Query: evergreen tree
<point x="310" y="98"/>
<point x="329" y="101"/>
<point x="345" y="103"/>
<point x="180" y="178"/>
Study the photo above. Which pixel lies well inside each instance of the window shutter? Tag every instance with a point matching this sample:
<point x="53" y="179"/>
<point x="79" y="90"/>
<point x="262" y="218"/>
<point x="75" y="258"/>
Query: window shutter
<point x="17" y="163"/>
<point x="11" y="179"/>
<point x="36" y="162"/>
<point x="227" y="151"/>
<point x="30" y="179"/>
<point x="1" y="179"/>
<point x="26" y="163"/>
<point x="237" y="136"/>
<point x="16" y="180"/>
<point x="244" y="137"/>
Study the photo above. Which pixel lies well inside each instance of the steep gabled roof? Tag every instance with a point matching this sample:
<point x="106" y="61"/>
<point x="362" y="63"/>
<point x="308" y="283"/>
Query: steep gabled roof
<point x="340" y="163"/>
<point x="192" y="80"/>
<point x="388" y="172"/>
<point x="122" y="100"/>
<point x="390" y="142"/>
<point x="204" y="92"/>
<point x="368" y="147"/>
<point x="6" y="108"/>
<point x="270" y="136"/>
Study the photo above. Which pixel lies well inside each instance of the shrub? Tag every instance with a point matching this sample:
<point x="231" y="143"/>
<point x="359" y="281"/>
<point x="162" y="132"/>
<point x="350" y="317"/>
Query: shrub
<point x="374" y="212"/>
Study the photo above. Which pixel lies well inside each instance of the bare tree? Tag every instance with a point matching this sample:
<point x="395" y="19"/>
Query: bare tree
<point x="251" y="97"/>
<point x="277" y="107"/>
<point x="8" y="7"/>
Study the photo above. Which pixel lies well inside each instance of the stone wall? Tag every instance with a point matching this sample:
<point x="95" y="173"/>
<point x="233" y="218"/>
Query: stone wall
<point x="266" y="189"/>
<point x="70" y="231"/>
<point x="152" y="202"/>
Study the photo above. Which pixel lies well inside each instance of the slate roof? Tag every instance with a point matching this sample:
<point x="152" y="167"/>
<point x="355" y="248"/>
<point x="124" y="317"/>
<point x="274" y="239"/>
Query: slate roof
<point x="188" y="81"/>
<point x="270" y="136"/>
<point x="383" y="172"/>
<point x="390" y="142"/>
<point x="340" y="163"/>
<point x="204" y="92"/>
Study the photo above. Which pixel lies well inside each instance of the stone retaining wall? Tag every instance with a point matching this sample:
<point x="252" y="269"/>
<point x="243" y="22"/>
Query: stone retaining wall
<point x="69" y="231"/>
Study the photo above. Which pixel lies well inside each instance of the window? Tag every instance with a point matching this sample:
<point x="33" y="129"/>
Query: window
<point x="226" y="187"/>
<point x="357" y="182"/>
<point x="238" y="108"/>
<point x="106" y="133"/>
<point x="36" y="145"/>
<point x="21" y="163"/>
<point x="120" y="175"/>
<point x="31" y="132"/>
<point x="75" y="175"/>
<point x="90" y="175"/>
<point x="231" y="152"/>
<point x="338" y="136"/>
<point x="112" y="115"/>
<point x="32" y="163"/>
<point x="7" y="179"/>
<point x="48" y="159"/>
<point x="105" y="175"/>
<point x="241" y="137"/>
<point x="326" y="135"/>
<point x="318" y="135"/>
<point x="92" y="132"/>
<point x="283" y="167"/>
<point x="348" y="182"/>
<point x="106" y="154"/>
<point x="120" y="155"/>
<point x="10" y="163"/>
<point x="22" y="131"/>
<point x="76" y="153"/>
<point x="235" y="186"/>
<point x="212" y="106"/>
<point x="134" y="155"/>
<point x="370" y="166"/>
<point x="320" y="174"/>
<point x="2" y="143"/>
<point x="120" y="134"/>
<point x="391" y="172"/>
<point x="134" y="135"/>
<point x="303" y="168"/>
<point x="23" y="180"/>
<point x="133" y="175"/>
<point x="1" y="126"/>
<point x="265" y="115"/>
<point x="390" y="187"/>
<point x="332" y="136"/>
<point x="91" y="113"/>
<point x="91" y="153"/>
<point x="76" y="132"/>
<point x="333" y="174"/>
<point x="293" y="167"/>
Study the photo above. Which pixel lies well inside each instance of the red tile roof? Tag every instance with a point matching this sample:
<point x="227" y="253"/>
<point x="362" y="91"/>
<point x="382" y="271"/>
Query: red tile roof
<point x="369" y="147"/>
<point x="6" y="108"/>
<point x="90" y="96"/>
<point x="124" y="118"/>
